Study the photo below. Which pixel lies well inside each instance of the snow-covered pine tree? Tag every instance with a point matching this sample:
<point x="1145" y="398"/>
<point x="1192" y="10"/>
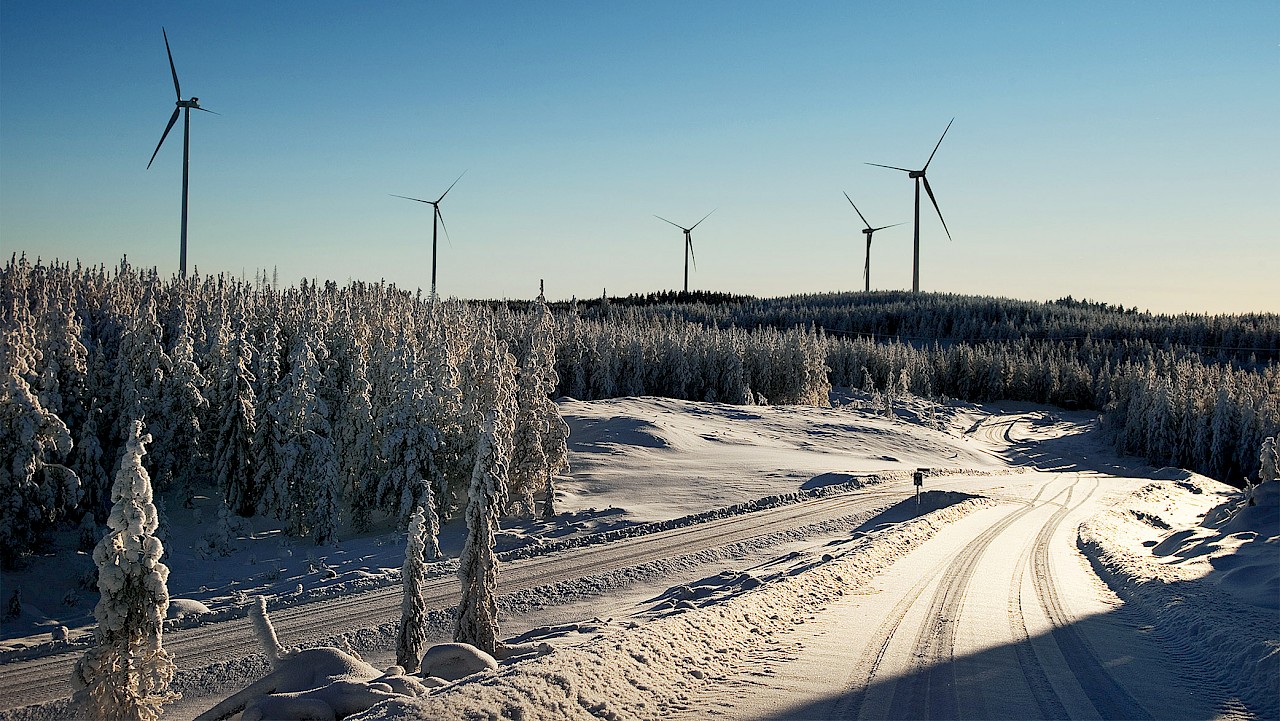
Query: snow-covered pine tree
<point x="88" y="462"/>
<point x="1268" y="461"/>
<point x="141" y="368"/>
<point x="34" y="492"/>
<point x="408" y="441"/>
<point x="413" y="608"/>
<point x="305" y="493"/>
<point x="477" y="622"/>
<point x="182" y="403"/>
<point x="127" y="674"/>
<point x="353" y="437"/>
<point x="233" y="449"/>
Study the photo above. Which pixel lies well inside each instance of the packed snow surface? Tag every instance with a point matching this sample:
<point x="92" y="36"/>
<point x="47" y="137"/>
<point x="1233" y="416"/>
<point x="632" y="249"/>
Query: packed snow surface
<point x="1041" y="576"/>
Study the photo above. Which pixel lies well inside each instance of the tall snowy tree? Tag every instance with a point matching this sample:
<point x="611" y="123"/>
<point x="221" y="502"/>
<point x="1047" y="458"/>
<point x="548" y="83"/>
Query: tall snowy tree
<point x="182" y="404"/>
<point x="126" y="675"/>
<point x="413" y="608"/>
<point x="408" y="442"/>
<point x="1268" y="461"/>
<point x="34" y="491"/>
<point x="477" y="622"/>
<point x="233" y="448"/>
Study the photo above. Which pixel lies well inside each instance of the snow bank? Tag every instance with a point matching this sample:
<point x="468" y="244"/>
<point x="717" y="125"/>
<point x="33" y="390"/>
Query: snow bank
<point x="653" y="670"/>
<point x="1207" y="581"/>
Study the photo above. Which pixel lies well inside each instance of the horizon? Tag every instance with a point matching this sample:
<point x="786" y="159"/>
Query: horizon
<point x="1129" y="143"/>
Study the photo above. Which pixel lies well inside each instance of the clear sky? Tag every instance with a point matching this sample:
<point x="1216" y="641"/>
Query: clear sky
<point x="1117" y="151"/>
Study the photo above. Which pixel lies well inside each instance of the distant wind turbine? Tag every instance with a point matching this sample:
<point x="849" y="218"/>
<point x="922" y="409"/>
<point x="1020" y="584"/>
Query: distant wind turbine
<point x="688" y="245"/>
<point x="184" y="107"/>
<point x="868" y="231"/>
<point x="919" y="177"/>
<point x="437" y="222"/>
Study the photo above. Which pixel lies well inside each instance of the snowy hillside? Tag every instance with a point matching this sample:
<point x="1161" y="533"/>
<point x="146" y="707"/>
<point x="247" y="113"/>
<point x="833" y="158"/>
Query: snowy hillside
<point x="819" y="614"/>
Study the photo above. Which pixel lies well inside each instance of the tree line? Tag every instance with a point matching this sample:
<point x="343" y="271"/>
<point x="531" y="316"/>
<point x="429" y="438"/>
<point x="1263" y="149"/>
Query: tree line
<point x="319" y="404"/>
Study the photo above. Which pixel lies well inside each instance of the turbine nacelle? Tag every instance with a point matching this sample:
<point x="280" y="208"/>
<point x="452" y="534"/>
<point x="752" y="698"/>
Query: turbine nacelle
<point x="915" y="174"/>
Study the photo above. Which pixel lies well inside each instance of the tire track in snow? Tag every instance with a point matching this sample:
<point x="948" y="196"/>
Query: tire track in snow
<point x="850" y="706"/>
<point x="930" y="689"/>
<point x="1051" y="706"/>
<point x="1108" y="697"/>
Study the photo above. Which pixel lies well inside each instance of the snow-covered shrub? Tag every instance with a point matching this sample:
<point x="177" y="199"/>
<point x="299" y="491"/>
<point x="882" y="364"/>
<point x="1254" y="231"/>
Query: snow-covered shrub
<point x="126" y="675"/>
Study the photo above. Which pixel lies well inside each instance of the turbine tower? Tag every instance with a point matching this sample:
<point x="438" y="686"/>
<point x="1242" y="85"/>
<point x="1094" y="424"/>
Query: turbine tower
<point x="919" y="177"/>
<point x="437" y="222"/>
<point x="688" y="245"/>
<point x="868" y="231"/>
<point x="184" y="107"/>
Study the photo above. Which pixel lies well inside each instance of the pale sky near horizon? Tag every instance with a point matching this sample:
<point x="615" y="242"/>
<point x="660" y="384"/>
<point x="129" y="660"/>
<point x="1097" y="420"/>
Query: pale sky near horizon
<point x="1123" y="151"/>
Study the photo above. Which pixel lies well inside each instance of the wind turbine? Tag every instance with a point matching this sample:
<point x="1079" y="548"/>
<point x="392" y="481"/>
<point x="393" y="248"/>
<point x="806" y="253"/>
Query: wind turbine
<point x="184" y="107"/>
<point x="919" y="177"/>
<point x="688" y="245"/>
<point x="437" y="222"/>
<point x="868" y="231"/>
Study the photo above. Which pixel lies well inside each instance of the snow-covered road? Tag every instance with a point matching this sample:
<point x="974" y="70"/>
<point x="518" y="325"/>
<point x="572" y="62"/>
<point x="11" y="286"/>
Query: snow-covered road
<point x="46" y="679"/>
<point x="999" y="617"/>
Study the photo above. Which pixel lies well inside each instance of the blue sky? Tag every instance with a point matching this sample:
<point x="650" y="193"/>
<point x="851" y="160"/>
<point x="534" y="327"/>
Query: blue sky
<point x="1119" y="151"/>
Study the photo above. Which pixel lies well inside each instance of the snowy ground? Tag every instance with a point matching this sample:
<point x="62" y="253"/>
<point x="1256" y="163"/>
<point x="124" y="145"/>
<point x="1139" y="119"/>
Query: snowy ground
<point x="987" y="602"/>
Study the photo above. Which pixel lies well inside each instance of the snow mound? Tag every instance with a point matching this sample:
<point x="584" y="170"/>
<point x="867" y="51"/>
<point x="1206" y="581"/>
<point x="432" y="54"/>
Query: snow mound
<point x="179" y="607"/>
<point x="1205" y="568"/>
<point x="297" y="686"/>
<point x="452" y="661"/>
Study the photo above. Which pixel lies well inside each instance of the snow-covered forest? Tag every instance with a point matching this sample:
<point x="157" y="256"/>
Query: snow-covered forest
<point x="318" y="404"/>
<point x="1195" y="391"/>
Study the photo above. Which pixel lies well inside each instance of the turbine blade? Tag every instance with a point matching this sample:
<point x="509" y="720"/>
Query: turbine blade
<point x="172" y="119"/>
<point x="855" y="209"/>
<point x="681" y="227"/>
<point x="708" y="215"/>
<point x="446" y="190"/>
<point x="444" y="227"/>
<point x="935" y="148"/>
<point x="420" y="200"/>
<point x="886" y="226"/>
<point x="866" y="270"/>
<point x="176" y="88"/>
<point x="206" y="110"/>
<point x="689" y="239"/>
<point x="929" y="190"/>
<point x="890" y="167"/>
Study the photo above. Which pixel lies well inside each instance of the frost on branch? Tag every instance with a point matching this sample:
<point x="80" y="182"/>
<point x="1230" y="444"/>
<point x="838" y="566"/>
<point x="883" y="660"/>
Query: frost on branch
<point x="127" y="674"/>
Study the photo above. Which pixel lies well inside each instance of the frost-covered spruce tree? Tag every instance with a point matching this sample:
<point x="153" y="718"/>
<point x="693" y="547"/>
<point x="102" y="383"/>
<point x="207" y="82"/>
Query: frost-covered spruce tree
<point x="528" y="460"/>
<point x="413" y="608"/>
<point x="540" y="438"/>
<point x="408" y="442"/>
<point x="353" y="438"/>
<point x="182" y="404"/>
<point x="34" y="492"/>
<point x="127" y="674"/>
<point x="233" y="448"/>
<point x="305" y="492"/>
<point x="1268" y="461"/>
<point x="141" y="368"/>
<point x="477" y="622"/>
